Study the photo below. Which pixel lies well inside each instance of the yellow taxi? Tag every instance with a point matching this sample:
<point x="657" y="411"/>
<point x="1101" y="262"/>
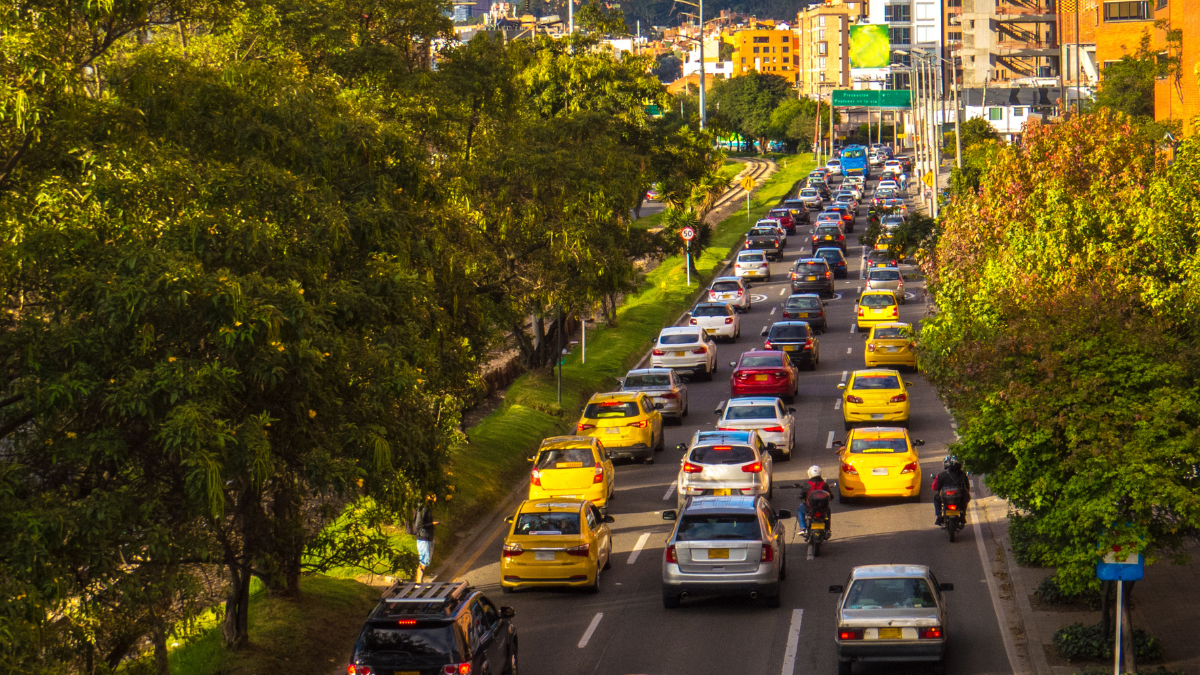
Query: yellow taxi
<point x="555" y="542"/>
<point x="575" y="467"/>
<point x="878" y="462"/>
<point x="883" y="242"/>
<point x="890" y="344"/>
<point x="628" y="423"/>
<point x="876" y="307"/>
<point x="876" y="395"/>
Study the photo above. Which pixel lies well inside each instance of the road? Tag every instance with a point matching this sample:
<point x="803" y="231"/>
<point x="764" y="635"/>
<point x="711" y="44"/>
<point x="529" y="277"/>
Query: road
<point x="625" y="629"/>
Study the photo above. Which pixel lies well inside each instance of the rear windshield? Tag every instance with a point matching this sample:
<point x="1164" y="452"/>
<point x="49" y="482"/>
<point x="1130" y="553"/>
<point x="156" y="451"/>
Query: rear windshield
<point x="808" y="193"/>
<point x="750" y="412"/>
<point x="566" y="458"/>
<point x="710" y="311"/>
<point x="679" y="339"/>
<point x="811" y="268"/>
<point x="548" y="523"/>
<point x="877" y="301"/>
<point x="610" y="410"/>
<point x="877" y="256"/>
<point x="884" y="275"/>
<point x="894" y="333"/>
<point x="878" y="445"/>
<point x="762" y="232"/>
<point x="751" y="257"/>
<point x="851" y="153"/>
<point x="804" y="303"/>
<point x="652" y="379"/>
<point x="722" y="286"/>
<point x="889" y="594"/>
<point x="743" y="526"/>
<point x="833" y="162"/>
<point x="877" y="382"/>
<point x="827" y="230"/>
<point x="722" y="454"/>
<point x="779" y="213"/>
<point x="425" y="645"/>
<point x="788" y="332"/>
<point x="761" y="361"/>
<point x="833" y="255"/>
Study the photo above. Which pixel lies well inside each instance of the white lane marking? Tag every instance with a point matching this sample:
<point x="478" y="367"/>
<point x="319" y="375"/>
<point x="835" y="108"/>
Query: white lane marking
<point x="844" y="374"/>
<point x="849" y="349"/>
<point x="837" y="404"/>
<point x="859" y="289"/>
<point x="783" y="291"/>
<point x="1010" y="649"/>
<point x="793" y="643"/>
<point x="829" y="441"/>
<point x="637" y="548"/>
<point x="587" y="634"/>
<point x="773" y="310"/>
<point x="670" y="491"/>
<point x="853" y="326"/>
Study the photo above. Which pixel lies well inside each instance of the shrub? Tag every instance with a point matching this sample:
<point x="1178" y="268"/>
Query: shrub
<point x="1028" y="549"/>
<point x="1078" y="642"/>
<point x="1049" y="592"/>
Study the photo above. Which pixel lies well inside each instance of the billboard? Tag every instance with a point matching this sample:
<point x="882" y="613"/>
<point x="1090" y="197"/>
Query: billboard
<point x="870" y="46"/>
<point x="872" y="98"/>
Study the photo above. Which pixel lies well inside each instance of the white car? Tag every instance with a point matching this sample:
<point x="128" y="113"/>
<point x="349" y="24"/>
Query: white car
<point x="894" y="166"/>
<point x="767" y="415"/>
<point x="835" y="167"/>
<point x="888" y="185"/>
<point x="774" y="222"/>
<point x="718" y="319"/>
<point x="854" y="184"/>
<point x="752" y="263"/>
<point x="732" y="290"/>
<point x="724" y="463"/>
<point x="687" y="350"/>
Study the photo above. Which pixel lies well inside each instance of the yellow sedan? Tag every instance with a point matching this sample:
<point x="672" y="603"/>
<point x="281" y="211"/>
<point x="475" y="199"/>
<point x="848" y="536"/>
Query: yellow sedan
<point x="628" y="423"/>
<point x="890" y="344"/>
<point x="875" y="395"/>
<point x="876" y="307"/>
<point x="556" y="542"/>
<point x="878" y="462"/>
<point x="574" y="467"/>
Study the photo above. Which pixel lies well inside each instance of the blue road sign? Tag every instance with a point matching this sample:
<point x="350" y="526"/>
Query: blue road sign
<point x="1118" y="566"/>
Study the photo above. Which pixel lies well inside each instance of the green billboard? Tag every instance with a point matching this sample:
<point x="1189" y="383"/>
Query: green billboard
<point x="872" y="98"/>
<point x="870" y="46"/>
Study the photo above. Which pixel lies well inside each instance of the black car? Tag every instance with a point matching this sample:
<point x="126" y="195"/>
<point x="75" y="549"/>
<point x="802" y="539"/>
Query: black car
<point x="807" y="307"/>
<point x="880" y="259"/>
<point x="812" y="275"/>
<point x="828" y="235"/>
<point x="436" y="628"/>
<point x="797" y="339"/>
<point x="798" y="210"/>
<point x="836" y="260"/>
<point x="847" y="215"/>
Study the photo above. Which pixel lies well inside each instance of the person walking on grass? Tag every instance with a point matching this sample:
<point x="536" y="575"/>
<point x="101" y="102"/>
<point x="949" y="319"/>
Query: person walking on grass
<point x="425" y="524"/>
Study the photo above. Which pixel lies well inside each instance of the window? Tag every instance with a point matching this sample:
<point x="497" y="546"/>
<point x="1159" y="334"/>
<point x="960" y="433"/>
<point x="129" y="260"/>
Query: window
<point x="925" y="11"/>
<point x="821" y="34"/>
<point x="822" y="48"/>
<point x="1161" y="4"/>
<point x="743" y="59"/>
<point x="927" y="34"/>
<point x="901" y="59"/>
<point x="953" y="35"/>
<point x="821" y="21"/>
<point x="893" y="13"/>
<point x="822" y="77"/>
<point x="785" y="50"/>
<point x="760" y="39"/>
<point x="995" y="114"/>
<point x="1018" y="112"/>
<point x="1128" y="10"/>
<point x="756" y="50"/>
<point x="901" y="36"/>
<point x="784" y="39"/>
<point x="821" y="63"/>
<point x="795" y="60"/>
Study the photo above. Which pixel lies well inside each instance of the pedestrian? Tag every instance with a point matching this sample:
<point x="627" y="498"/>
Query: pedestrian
<point x="424" y="525"/>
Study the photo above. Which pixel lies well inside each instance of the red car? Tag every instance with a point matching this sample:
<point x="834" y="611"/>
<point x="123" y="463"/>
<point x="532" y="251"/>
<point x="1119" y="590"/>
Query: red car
<point x="784" y="216"/>
<point x="763" y="373"/>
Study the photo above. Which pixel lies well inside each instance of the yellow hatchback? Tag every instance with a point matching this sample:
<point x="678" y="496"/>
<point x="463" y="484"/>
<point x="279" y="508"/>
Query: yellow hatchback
<point x="890" y="344"/>
<point x="876" y="395"/>
<point x="876" y="307"/>
<point x="883" y="242"/>
<point x="878" y="462"/>
<point x="555" y="542"/>
<point x="574" y="467"/>
<point x="628" y="423"/>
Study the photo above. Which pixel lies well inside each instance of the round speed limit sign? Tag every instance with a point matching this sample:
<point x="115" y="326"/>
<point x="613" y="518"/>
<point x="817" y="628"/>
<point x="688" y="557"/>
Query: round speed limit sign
<point x="687" y="233"/>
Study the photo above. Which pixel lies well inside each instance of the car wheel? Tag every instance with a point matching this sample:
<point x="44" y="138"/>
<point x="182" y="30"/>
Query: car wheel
<point x="608" y="560"/>
<point x="662" y="442"/>
<point x="507" y="589"/>
<point x="649" y="460"/>
<point x="783" y="566"/>
<point x="845" y="668"/>
<point x="511" y="668"/>
<point x="847" y="425"/>
<point x="594" y="587"/>
<point x="842" y="499"/>
<point x="938" y="668"/>
<point x="670" y="600"/>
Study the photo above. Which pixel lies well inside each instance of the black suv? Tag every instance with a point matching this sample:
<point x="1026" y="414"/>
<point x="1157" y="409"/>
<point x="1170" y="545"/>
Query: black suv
<point x="812" y="275"/>
<point x="797" y="339"/>
<point x="435" y="629"/>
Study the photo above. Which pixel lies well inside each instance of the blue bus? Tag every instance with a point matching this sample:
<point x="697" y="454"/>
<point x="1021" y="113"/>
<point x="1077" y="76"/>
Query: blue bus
<point x="854" y="162"/>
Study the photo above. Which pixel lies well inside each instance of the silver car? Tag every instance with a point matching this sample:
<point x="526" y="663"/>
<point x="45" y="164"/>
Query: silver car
<point x="725" y="463"/>
<point x="752" y="263"/>
<point x="663" y="386"/>
<point x="732" y="290"/>
<point x="685" y="349"/>
<point x="890" y="613"/>
<point x="767" y="415"/>
<point x="886" y="279"/>
<point x="725" y="546"/>
<point x="811" y="198"/>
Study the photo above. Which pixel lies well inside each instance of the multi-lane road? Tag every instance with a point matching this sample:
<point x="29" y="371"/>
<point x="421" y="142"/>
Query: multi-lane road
<point x="625" y="629"/>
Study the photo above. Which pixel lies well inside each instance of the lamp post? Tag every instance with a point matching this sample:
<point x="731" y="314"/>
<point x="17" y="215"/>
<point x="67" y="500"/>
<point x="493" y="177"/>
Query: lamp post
<point x="957" y="101"/>
<point x="703" y="109"/>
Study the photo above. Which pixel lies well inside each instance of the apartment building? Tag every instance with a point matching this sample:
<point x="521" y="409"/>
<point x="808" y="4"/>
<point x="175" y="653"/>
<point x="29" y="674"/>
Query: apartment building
<point x="911" y="23"/>
<point x="771" y="51"/>
<point x="1005" y="42"/>
<point x="823" y="59"/>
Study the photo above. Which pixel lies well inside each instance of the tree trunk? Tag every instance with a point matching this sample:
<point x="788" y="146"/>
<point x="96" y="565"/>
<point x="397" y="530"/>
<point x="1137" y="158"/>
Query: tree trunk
<point x="288" y="539"/>
<point x="158" y="636"/>
<point x="539" y="340"/>
<point x="1128" y="654"/>
<point x="1106" y="607"/>
<point x="524" y="344"/>
<point x="234" y="627"/>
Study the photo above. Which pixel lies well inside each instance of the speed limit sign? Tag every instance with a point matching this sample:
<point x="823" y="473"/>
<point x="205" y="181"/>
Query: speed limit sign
<point x="687" y="233"/>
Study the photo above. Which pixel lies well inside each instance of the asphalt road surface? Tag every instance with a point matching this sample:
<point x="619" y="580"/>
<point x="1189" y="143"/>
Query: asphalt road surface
<point x="625" y="629"/>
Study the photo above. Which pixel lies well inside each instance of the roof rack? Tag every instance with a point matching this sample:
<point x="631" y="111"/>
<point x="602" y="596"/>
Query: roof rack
<point x="424" y="593"/>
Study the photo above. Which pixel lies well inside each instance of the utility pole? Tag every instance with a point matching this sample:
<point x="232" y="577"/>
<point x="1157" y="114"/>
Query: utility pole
<point x="957" y="119"/>
<point x="571" y="17"/>
<point x="1078" y="65"/>
<point x="703" y="107"/>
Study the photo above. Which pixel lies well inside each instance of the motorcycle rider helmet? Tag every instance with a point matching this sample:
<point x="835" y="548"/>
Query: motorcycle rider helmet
<point x="814" y="471"/>
<point x="952" y="463"/>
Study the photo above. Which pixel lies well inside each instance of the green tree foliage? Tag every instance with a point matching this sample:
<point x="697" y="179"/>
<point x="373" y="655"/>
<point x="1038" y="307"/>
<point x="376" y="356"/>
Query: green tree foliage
<point x="746" y="104"/>
<point x="1065" y="339"/>
<point x="594" y="17"/>
<point x="1127" y="85"/>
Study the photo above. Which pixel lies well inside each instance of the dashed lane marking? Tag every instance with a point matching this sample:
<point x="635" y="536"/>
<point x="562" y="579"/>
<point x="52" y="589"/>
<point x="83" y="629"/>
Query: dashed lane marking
<point x="849" y="349"/>
<point x="829" y="441"/>
<point x="793" y="643"/>
<point x="853" y="328"/>
<point x="783" y="291"/>
<point x="773" y="310"/>
<point x="587" y="634"/>
<point x="837" y="404"/>
<point x="637" y="548"/>
<point x="845" y="373"/>
<point x="670" y="491"/>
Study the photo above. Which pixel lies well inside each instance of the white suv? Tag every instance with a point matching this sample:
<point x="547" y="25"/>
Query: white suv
<point x="724" y="463"/>
<point x="732" y="290"/>
<point x="717" y="319"/>
<point x="685" y="349"/>
<point x="752" y="263"/>
<point x="767" y="415"/>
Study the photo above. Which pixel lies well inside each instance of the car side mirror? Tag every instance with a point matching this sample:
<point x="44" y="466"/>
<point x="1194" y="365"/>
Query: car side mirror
<point x="509" y="520"/>
<point x="918" y="441"/>
<point x="866" y="336"/>
<point x="932" y="475"/>
<point x="507" y="612"/>
<point x="764" y="331"/>
<point x="530" y="458"/>
<point x="733" y="364"/>
<point x="681" y="447"/>
<point x="907" y="383"/>
<point x="946" y="587"/>
<point x="670" y="514"/>
<point x="838" y="444"/>
<point x="783" y="514"/>
<point x="792" y="410"/>
<point x="621" y="381"/>
<point x="841" y="385"/>
<point x="772" y="446"/>
<point x="837" y="588"/>
<point x="609" y="519"/>
<point x="658" y="406"/>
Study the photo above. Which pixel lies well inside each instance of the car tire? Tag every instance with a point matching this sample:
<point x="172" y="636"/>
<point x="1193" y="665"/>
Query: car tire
<point x="648" y="461"/>
<point x="845" y="668"/>
<point x="670" y="600"/>
<point x="608" y="560"/>
<point x="507" y="590"/>
<point x="842" y="499"/>
<point x="662" y="442"/>
<point x="594" y="587"/>
<point x="847" y="425"/>
<point x="938" y="668"/>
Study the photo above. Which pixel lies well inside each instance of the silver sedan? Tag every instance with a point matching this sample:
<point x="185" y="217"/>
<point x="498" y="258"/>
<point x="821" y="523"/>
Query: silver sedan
<point x="663" y="386"/>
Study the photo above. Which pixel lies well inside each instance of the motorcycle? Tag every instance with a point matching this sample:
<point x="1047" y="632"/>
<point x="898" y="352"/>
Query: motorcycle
<point x="954" y="510"/>
<point x="817" y="520"/>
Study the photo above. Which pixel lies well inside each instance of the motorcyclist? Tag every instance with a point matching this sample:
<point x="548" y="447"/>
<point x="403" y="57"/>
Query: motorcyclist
<point x="814" y="482"/>
<point x="952" y="475"/>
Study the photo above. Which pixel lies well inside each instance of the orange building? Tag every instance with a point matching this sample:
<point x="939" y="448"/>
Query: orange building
<point x="824" y="54"/>
<point x="1177" y="96"/>
<point x="770" y="51"/>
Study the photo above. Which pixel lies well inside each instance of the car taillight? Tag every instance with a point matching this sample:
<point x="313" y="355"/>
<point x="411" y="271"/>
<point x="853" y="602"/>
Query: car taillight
<point x="895" y="310"/>
<point x="359" y="670"/>
<point x="850" y="398"/>
<point x="828" y="275"/>
<point x="785" y="312"/>
<point x="934" y="633"/>
<point x="871" y="347"/>
<point x="671" y="554"/>
<point x="700" y="350"/>
<point x="457" y="669"/>
<point x="899" y="398"/>
<point x="739" y="294"/>
<point x="535" y="478"/>
<point x="640" y="424"/>
<point x="584" y="427"/>
<point x="688" y="467"/>
<point x="580" y="550"/>
<point x="778" y="430"/>
<point x="775" y="243"/>
<point x="598" y="477"/>
<point x="726" y="429"/>
<point x="911" y="467"/>
<point x="658" y="352"/>
<point x="808" y="344"/>
<point x="692" y="322"/>
<point x="912" y="345"/>
<point x="728" y="320"/>
<point x="670" y="395"/>
<point x="814" y="237"/>
<point x="841" y="237"/>
<point x="850" y="634"/>
<point x="768" y="553"/>
<point x="512" y="550"/>
<point x="767" y="344"/>
<point x="860" y="311"/>
<point x="756" y="467"/>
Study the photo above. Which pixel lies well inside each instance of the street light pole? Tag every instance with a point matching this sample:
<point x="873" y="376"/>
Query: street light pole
<point x="703" y="108"/>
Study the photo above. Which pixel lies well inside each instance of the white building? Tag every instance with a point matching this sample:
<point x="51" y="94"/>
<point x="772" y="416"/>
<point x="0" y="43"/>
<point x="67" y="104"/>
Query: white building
<point x="722" y="69"/>
<point x="911" y="23"/>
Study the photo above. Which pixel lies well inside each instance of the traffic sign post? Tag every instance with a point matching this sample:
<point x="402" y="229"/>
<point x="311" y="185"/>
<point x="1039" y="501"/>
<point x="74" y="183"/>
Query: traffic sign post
<point x="1121" y="564"/>
<point x="688" y="235"/>
<point x="747" y="185"/>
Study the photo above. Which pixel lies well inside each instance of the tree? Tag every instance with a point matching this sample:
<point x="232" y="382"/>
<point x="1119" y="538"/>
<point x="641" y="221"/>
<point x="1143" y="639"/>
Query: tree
<point x="745" y="104"/>
<point x="595" y="18"/>
<point x="1127" y="85"/>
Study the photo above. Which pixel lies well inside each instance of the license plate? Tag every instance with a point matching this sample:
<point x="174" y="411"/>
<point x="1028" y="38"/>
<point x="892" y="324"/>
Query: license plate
<point x="718" y="554"/>
<point x="891" y="633"/>
<point x="407" y="672"/>
<point x="789" y="348"/>
<point x="761" y="378"/>
<point x="802" y="315"/>
<point x="814" y="278"/>
<point x="828" y="238"/>
<point x="817" y="526"/>
<point x="723" y="492"/>
<point x="544" y="556"/>
<point x="613" y="430"/>
<point x="680" y="353"/>
<point x="710" y="331"/>
<point x="879" y="472"/>
<point x="876" y="416"/>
